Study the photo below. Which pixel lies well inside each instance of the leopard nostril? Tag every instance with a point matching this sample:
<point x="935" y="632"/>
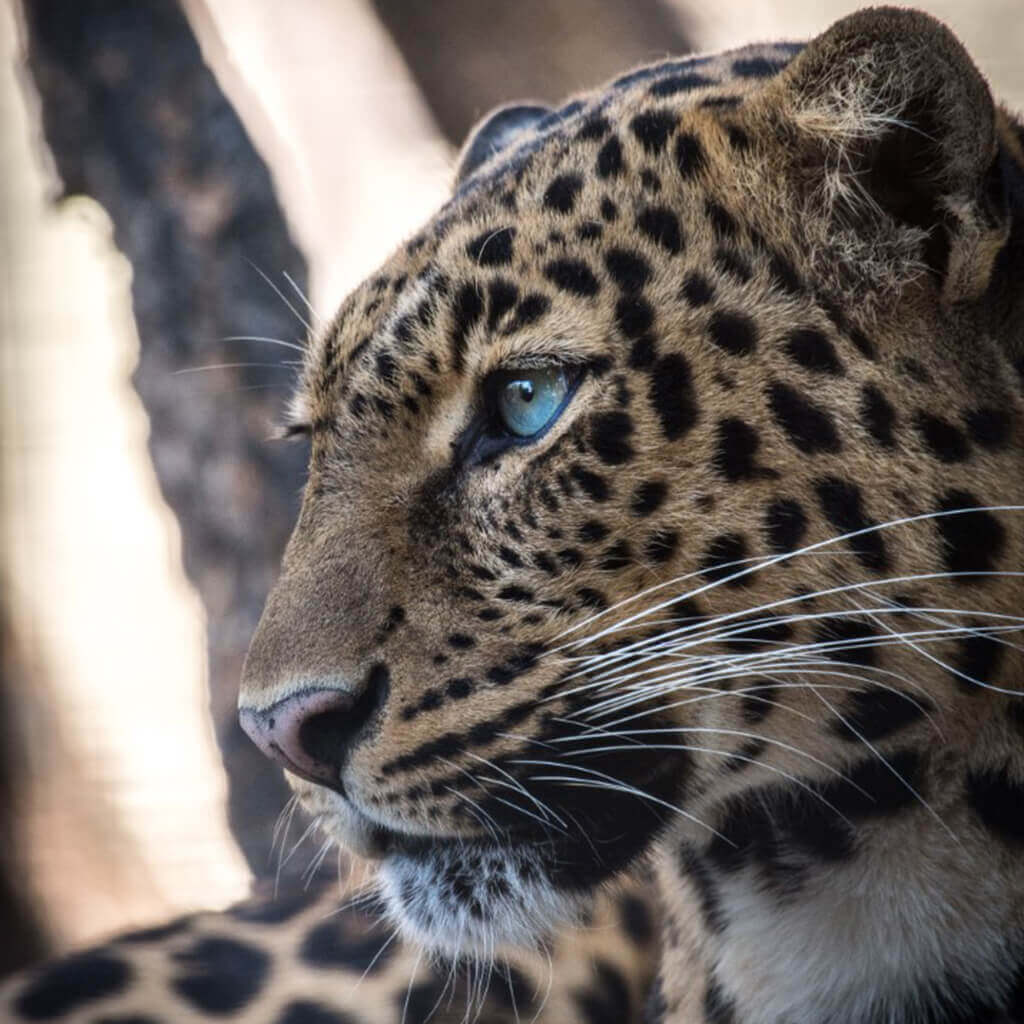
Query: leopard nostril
<point x="312" y="733"/>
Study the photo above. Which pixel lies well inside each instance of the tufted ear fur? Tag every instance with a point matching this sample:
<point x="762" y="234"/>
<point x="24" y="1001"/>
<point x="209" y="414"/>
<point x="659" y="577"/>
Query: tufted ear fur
<point x="894" y="119"/>
<point x="496" y="131"/>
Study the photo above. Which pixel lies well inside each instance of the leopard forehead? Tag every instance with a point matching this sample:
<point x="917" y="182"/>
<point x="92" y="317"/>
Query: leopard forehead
<point x="576" y="201"/>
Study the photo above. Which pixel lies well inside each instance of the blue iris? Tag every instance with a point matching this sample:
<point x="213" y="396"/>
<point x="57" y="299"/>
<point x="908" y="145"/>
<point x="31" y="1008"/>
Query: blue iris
<point x="527" y="401"/>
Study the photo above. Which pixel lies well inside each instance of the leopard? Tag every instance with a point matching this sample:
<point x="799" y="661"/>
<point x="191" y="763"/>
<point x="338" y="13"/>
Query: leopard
<point x="662" y="541"/>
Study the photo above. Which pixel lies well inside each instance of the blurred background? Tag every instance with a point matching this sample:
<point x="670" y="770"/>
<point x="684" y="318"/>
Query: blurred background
<point x="187" y="189"/>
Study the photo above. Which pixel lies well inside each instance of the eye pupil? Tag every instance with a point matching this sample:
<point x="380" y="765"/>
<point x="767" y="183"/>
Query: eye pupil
<point x="529" y="400"/>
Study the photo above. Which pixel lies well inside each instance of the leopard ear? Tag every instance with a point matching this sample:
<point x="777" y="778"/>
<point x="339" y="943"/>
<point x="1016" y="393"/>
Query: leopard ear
<point x="495" y="132"/>
<point x="894" y="120"/>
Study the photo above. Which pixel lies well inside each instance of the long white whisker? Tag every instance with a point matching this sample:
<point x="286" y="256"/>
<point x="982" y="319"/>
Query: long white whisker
<point x="284" y="298"/>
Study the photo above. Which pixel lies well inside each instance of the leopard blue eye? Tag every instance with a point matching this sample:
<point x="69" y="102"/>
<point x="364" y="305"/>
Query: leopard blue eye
<point x="527" y="401"/>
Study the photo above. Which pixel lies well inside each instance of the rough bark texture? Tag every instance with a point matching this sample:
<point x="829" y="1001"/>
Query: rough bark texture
<point x="471" y="55"/>
<point x="136" y="120"/>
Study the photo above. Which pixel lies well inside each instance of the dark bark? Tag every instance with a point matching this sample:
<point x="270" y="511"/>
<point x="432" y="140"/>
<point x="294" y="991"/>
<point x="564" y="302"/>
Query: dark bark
<point x="136" y="120"/>
<point x="471" y="55"/>
<point x="18" y="921"/>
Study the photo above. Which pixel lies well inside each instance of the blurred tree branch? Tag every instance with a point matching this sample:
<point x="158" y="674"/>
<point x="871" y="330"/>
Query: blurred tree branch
<point x="136" y="120"/>
<point x="471" y="55"/>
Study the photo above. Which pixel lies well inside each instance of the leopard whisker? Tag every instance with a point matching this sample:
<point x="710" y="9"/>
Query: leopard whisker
<point x="771" y="560"/>
<point x="281" y="295"/>
<point x="616" y="784"/>
<point x="260" y="338"/>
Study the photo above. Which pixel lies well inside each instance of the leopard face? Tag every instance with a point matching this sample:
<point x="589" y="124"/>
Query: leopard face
<point x="663" y="493"/>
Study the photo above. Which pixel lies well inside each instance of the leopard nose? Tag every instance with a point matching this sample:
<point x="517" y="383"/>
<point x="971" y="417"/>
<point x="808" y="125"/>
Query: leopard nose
<point x="312" y="733"/>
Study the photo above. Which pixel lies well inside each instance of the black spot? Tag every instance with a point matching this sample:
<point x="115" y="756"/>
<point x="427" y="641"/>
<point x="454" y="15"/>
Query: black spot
<point x="304" y="1011"/>
<point x="848" y="641"/>
<point x="650" y="180"/>
<point x="276" y="911"/>
<point x="756" y="67"/>
<point x="843" y="507"/>
<point x="502" y="295"/>
<point x="689" y="155"/>
<point x="672" y="395"/>
<point x="653" y="128"/>
<point x="697" y="289"/>
<point x="592" y="531"/>
<point x="636" y="920"/>
<point x="609" y="437"/>
<point x="738" y="138"/>
<point x="809" y="428"/>
<point x="618" y="556"/>
<point x="766" y="827"/>
<point x="461" y="641"/>
<point x="945" y="441"/>
<point x="878" y="415"/>
<point x="609" y="164"/>
<point x="722" y="222"/>
<point x="730" y="262"/>
<point x="785" y="524"/>
<point x="71" y="983"/>
<point x="595" y="127"/>
<point x="561" y="194"/>
<point x="648" y="497"/>
<point x="735" y="333"/>
<point x="338" y="943"/>
<point x="861" y="342"/>
<point x="591" y="598"/>
<point x="530" y="310"/>
<point x="643" y="353"/>
<point x="634" y="315"/>
<point x="997" y="798"/>
<point x="757" y="702"/>
<point x="219" y="975"/>
<point x="972" y="540"/>
<point x="989" y="427"/>
<point x="674" y="84"/>
<point x="812" y="350"/>
<point x="661" y="225"/>
<point x="735" y="450"/>
<point x="572" y="276"/>
<point x="609" y="211"/>
<point x="722" y="102"/>
<point x="492" y="248"/>
<point x="607" y="1001"/>
<point x="417" y="1004"/>
<point x="977" y="662"/>
<point x="512" y="990"/>
<point x="515" y="593"/>
<point x="589" y="231"/>
<point x="873" y="714"/>
<point x="628" y="270"/>
<point x="570" y="557"/>
<point x="467" y="309"/>
<point x="459" y="689"/>
<point x="595" y="485"/>
<point x="509" y="557"/>
<point x="661" y="545"/>
<point x="726" y="556"/>
<point x="784" y="275"/>
<point x="127" y="1018"/>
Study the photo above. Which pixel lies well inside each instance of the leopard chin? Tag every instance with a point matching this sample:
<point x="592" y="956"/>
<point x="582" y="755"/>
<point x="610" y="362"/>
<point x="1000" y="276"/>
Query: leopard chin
<point x="468" y="899"/>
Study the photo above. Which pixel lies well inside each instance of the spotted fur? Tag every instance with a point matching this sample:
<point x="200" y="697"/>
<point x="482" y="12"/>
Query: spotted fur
<point x="749" y="608"/>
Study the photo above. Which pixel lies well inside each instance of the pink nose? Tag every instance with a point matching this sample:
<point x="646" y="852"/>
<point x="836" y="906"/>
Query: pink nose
<point x="313" y="732"/>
